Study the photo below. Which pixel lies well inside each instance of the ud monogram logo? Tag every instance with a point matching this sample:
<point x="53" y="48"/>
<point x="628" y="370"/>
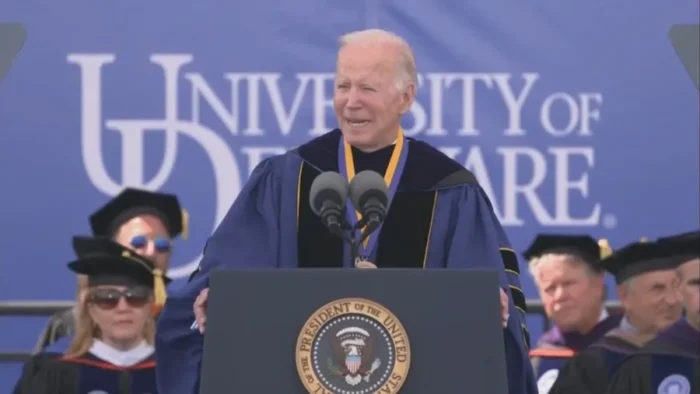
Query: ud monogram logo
<point x="133" y="133"/>
<point x="674" y="384"/>
<point x="353" y="346"/>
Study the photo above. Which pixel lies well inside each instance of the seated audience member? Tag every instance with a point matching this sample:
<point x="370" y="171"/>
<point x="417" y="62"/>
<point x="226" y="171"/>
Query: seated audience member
<point x="670" y="363"/>
<point x="572" y="289"/>
<point x="112" y="349"/>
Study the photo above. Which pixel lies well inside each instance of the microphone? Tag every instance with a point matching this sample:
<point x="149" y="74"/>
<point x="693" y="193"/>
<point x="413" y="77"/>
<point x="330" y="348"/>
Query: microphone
<point x="369" y="195"/>
<point x="328" y="196"/>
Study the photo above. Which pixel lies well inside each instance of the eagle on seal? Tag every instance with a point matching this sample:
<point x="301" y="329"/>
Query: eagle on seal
<point x="353" y="350"/>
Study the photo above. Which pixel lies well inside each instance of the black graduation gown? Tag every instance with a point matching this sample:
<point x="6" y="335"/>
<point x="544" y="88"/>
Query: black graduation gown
<point x="89" y="374"/>
<point x="439" y="217"/>
<point x="670" y="364"/>
<point x="30" y="370"/>
<point x="590" y="370"/>
<point x="556" y="348"/>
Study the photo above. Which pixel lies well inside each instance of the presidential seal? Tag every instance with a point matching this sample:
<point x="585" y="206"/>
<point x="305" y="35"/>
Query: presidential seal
<point x="353" y="346"/>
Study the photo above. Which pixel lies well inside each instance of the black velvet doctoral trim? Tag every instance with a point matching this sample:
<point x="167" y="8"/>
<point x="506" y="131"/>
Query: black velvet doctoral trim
<point x="409" y="220"/>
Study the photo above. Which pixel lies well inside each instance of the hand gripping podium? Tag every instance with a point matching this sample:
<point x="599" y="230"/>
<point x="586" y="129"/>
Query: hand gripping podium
<point x="352" y="331"/>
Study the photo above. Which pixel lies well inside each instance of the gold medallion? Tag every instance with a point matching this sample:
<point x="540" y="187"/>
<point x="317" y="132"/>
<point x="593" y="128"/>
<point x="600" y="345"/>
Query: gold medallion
<point x="353" y="346"/>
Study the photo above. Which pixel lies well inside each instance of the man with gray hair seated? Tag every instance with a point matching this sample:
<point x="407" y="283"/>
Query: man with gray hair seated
<point x="572" y="290"/>
<point x="670" y="363"/>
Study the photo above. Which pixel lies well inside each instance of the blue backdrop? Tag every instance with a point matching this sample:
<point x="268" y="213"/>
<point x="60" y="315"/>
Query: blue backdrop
<point x="575" y="116"/>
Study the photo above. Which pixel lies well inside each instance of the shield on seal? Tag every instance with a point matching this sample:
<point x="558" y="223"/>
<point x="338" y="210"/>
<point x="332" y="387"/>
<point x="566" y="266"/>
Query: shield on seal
<point x="353" y="363"/>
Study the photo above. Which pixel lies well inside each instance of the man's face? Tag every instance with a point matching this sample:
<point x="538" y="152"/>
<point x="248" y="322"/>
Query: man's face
<point x="367" y="102"/>
<point x="571" y="294"/>
<point x="651" y="300"/>
<point x="147" y="236"/>
<point x="689" y="274"/>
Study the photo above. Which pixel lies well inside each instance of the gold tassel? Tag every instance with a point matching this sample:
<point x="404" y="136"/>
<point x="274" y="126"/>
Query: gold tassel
<point x="158" y="291"/>
<point x="605" y="249"/>
<point x="185" y="224"/>
<point x="643" y="239"/>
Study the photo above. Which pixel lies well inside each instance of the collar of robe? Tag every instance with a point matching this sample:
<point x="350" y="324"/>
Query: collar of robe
<point x="121" y="358"/>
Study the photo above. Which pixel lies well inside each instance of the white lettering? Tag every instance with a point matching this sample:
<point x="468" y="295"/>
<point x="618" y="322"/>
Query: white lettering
<point x="514" y="104"/>
<point x="587" y="112"/>
<point x="546" y="114"/>
<point x="322" y="104"/>
<point x="469" y="98"/>
<point x="563" y="184"/>
<point x="511" y="187"/>
<point x="475" y="163"/>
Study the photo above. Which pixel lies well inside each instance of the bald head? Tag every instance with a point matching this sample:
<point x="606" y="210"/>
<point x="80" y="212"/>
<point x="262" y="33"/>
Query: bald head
<point x="406" y="72"/>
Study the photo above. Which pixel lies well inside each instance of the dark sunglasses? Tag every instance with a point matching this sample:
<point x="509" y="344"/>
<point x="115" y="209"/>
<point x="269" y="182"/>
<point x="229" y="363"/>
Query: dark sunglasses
<point x="161" y="244"/>
<point x="109" y="298"/>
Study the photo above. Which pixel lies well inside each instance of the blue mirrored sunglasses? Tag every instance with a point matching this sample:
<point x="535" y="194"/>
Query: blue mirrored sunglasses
<point x="161" y="244"/>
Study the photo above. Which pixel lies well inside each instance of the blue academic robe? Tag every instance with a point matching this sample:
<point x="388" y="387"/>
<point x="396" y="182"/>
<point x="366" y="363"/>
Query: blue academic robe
<point x="440" y="217"/>
<point x="670" y="364"/>
<point x="556" y="348"/>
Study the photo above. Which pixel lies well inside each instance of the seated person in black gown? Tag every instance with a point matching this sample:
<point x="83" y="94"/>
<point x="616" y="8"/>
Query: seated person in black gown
<point x="572" y="289"/>
<point x="112" y="349"/>
<point x="669" y="364"/>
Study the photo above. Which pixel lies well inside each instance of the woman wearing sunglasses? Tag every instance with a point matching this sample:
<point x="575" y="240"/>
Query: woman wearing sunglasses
<point x="145" y="222"/>
<point x="112" y="349"/>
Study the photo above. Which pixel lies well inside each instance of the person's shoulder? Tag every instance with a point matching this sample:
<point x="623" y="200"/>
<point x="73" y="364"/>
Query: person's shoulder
<point x="430" y="168"/>
<point x="321" y="152"/>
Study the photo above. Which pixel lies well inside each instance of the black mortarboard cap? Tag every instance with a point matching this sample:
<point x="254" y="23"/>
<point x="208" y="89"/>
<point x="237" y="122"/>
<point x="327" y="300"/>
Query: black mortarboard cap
<point x="583" y="246"/>
<point x="641" y="257"/>
<point x="683" y="246"/>
<point x="12" y="38"/>
<point x="686" y="42"/>
<point x="104" y="261"/>
<point x="133" y="202"/>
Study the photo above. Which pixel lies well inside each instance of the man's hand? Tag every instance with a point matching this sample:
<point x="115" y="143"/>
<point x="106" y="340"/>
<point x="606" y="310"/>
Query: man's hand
<point x="504" y="308"/>
<point x="200" y="309"/>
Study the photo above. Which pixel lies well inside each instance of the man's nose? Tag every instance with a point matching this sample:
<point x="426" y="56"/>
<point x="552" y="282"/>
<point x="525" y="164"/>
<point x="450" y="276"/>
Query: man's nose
<point x="560" y="293"/>
<point x="354" y="100"/>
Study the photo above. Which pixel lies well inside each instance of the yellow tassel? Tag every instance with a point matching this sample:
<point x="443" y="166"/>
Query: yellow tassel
<point x="185" y="224"/>
<point x="605" y="249"/>
<point x="644" y="239"/>
<point x="158" y="291"/>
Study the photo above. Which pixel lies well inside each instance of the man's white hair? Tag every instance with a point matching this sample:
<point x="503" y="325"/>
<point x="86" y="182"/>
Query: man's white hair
<point x="407" y="72"/>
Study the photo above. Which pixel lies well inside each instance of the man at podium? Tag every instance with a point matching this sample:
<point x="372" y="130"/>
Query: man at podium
<point x="438" y="216"/>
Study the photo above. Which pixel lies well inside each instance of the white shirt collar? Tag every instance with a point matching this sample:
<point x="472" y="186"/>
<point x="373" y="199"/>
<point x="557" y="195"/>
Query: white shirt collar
<point x="604" y="315"/>
<point x="118" y="357"/>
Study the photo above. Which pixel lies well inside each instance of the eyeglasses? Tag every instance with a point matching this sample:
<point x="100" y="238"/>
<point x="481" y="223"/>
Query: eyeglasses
<point x="161" y="244"/>
<point x="109" y="298"/>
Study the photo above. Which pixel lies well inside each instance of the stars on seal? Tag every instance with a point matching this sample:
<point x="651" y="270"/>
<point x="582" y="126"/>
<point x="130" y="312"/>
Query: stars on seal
<point x="353" y="350"/>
